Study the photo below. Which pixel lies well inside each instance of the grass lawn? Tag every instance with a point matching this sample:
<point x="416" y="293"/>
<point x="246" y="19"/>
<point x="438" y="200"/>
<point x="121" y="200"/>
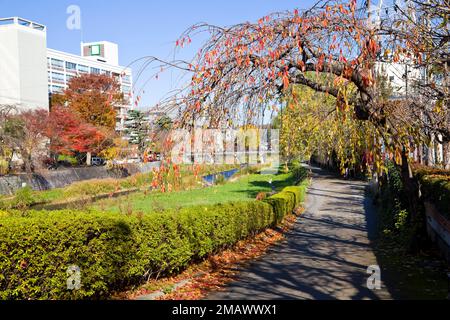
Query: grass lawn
<point x="95" y="187"/>
<point x="243" y="189"/>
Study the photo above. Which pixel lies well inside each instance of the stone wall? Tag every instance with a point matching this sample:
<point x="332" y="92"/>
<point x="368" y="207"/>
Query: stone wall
<point x="45" y="180"/>
<point x="438" y="229"/>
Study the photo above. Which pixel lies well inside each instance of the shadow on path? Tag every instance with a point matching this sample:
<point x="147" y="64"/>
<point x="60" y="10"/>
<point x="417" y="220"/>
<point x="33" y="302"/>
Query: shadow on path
<point x="325" y="255"/>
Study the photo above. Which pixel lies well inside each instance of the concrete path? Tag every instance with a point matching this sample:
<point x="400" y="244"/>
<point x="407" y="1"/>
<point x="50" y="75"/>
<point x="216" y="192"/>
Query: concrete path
<point x="326" y="254"/>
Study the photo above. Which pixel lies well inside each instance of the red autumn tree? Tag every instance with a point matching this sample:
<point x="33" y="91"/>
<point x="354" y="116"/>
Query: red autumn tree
<point x="24" y="133"/>
<point x="70" y="134"/>
<point x="95" y="98"/>
<point x="243" y="70"/>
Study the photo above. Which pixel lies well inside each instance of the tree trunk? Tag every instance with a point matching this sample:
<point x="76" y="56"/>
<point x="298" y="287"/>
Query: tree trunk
<point x="411" y="194"/>
<point x="446" y="155"/>
<point x="27" y="162"/>
<point x="430" y="154"/>
<point x="89" y="159"/>
<point x="420" y="153"/>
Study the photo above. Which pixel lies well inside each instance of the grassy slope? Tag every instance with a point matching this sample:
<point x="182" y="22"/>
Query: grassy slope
<point x="245" y="188"/>
<point x="93" y="187"/>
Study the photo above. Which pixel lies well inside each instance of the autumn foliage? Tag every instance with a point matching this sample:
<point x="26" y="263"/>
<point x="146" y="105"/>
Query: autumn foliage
<point x="69" y="133"/>
<point x="94" y="98"/>
<point x="83" y="118"/>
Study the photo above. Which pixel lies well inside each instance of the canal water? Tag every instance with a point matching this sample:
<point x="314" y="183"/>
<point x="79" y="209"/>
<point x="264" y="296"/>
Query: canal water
<point x="212" y="178"/>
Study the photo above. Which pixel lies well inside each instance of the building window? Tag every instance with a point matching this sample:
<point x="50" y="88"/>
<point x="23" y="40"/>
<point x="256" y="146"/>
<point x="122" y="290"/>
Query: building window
<point x="49" y="76"/>
<point x="57" y="77"/>
<point x="69" y="77"/>
<point x="126" y="90"/>
<point x="57" y="89"/>
<point x="83" y="69"/>
<point x="95" y="70"/>
<point x="95" y="50"/>
<point x="71" y="66"/>
<point x="126" y="78"/>
<point x="57" y="64"/>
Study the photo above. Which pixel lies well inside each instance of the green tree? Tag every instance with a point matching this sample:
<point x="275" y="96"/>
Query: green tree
<point x="137" y="129"/>
<point x="164" y="123"/>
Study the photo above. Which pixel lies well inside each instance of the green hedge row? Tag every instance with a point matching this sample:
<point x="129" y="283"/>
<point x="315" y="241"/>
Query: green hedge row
<point x="435" y="186"/>
<point x="114" y="251"/>
<point x="421" y="171"/>
<point x="436" y="189"/>
<point x="300" y="173"/>
<point x="287" y="200"/>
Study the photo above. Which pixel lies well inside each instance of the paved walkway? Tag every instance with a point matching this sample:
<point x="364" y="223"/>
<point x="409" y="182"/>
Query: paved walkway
<point x="324" y="256"/>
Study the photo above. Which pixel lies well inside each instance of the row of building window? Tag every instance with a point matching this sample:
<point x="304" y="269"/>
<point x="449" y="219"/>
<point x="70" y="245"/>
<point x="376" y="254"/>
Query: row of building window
<point x="55" y="77"/>
<point x="58" y="80"/>
<point x="55" y="89"/>
<point x="70" y="66"/>
<point x="59" y="77"/>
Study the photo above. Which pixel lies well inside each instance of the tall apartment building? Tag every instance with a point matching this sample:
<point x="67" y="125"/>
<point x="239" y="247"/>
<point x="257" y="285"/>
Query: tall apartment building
<point x="30" y="72"/>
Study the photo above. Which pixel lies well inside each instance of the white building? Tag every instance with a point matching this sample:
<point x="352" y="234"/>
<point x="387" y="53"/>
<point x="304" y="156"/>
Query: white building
<point x="23" y="68"/>
<point x="401" y="76"/>
<point x="30" y="72"/>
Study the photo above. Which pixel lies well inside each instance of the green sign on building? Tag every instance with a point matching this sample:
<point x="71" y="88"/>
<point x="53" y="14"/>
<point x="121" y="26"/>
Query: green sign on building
<point x="95" y="50"/>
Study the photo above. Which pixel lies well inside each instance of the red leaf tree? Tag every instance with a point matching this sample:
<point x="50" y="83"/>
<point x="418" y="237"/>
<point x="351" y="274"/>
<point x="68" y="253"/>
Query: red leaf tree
<point x="70" y="134"/>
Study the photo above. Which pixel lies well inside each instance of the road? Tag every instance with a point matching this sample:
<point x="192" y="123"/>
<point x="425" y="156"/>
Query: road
<point x="325" y="255"/>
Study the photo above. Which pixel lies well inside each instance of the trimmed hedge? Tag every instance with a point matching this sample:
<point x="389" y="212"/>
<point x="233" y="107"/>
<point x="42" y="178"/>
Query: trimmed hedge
<point x="436" y="189"/>
<point x="421" y="171"/>
<point x="300" y="173"/>
<point x="282" y="203"/>
<point x="114" y="251"/>
<point x="286" y="201"/>
<point x="299" y="193"/>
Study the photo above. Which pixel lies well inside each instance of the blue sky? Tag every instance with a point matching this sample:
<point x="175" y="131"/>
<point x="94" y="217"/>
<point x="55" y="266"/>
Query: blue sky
<point x="141" y="28"/>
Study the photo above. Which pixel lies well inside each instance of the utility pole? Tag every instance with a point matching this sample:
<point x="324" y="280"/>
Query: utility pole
<point x="369" y="12"/>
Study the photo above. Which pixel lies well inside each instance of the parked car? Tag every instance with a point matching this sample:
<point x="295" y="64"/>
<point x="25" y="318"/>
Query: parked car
<point x="97" y="161"/>
<point x="127" y="161"/>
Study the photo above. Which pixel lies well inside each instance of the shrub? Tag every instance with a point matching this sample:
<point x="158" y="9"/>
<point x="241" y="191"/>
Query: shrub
<point x="436" y="189"/>
<point x="283" y="203"/>
<point x="24" y="198"/>
<point x="287" y="200"/>
<point x="298" y="192"/>
<point x="300" y="173"/>
<point x="69" y="159"/>
<point x="420" y="171"/>
<point x="396" y="222"/>
<point x="4" y="166"/>
<point x="114" y="251"/>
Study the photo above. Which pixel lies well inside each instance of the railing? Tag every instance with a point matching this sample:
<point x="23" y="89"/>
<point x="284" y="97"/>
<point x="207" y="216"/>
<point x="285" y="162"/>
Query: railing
<point x="22" y="22"/>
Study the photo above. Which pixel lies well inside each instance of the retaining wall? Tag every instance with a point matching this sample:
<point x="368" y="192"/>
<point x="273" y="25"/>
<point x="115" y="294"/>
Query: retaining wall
<point x="438" y="229"/>
<point x="45" y="180"/>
